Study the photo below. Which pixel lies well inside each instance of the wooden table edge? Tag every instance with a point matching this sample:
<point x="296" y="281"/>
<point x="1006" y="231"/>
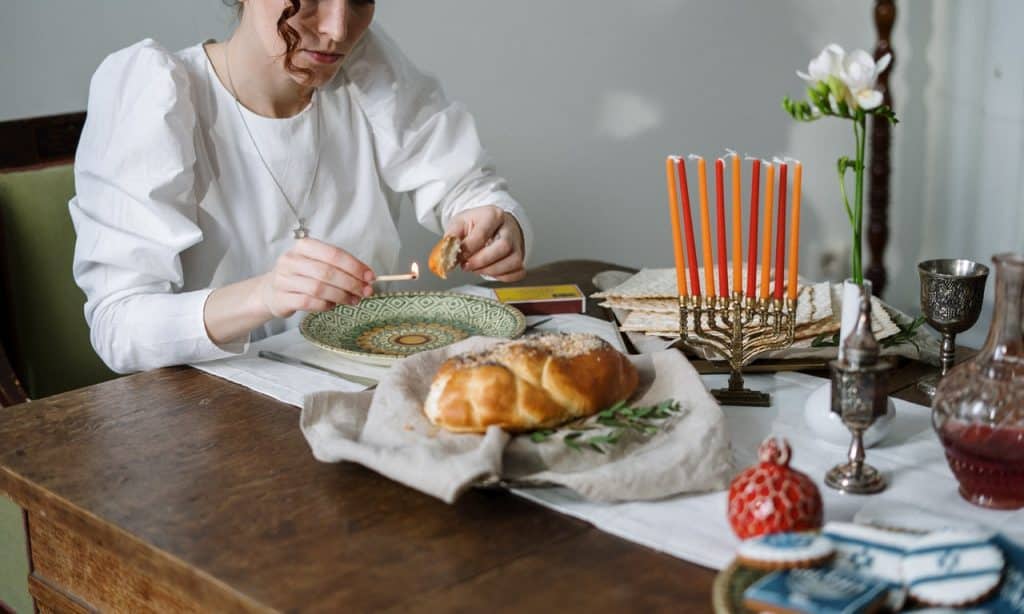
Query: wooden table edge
<point x="40" y="503"/>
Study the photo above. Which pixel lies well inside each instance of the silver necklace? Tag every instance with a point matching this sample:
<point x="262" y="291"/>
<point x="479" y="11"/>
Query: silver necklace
<point x="300" y="231"/>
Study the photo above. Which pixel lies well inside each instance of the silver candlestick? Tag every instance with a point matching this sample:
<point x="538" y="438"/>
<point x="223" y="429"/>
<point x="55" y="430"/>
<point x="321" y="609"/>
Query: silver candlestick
<point x="859" y="397"/>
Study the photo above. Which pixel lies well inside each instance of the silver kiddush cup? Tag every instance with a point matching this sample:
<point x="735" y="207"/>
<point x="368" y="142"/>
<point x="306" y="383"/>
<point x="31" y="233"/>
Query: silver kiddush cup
<point x="859" y="397"/>
<point x="952" y="291"/>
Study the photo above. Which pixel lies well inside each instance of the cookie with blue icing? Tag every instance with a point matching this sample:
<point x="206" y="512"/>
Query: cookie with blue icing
<point x="953" y="568"/>
<point x="870" y="551"/>
<point x="785" y="551"/>
<point x="821" y="590"/>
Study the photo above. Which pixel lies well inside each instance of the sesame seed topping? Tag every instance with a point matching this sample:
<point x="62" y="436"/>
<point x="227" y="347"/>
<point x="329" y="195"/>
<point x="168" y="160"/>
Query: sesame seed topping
<point x="563" y="345"/>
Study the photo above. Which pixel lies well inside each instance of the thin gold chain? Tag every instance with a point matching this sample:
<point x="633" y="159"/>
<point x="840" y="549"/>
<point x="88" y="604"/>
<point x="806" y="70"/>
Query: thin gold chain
<point x="300" y="229"/>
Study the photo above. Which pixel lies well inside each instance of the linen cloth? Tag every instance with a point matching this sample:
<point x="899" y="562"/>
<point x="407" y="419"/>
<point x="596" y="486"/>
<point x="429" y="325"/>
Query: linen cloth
<point x="173" y="199"/>
<point x="388" y="432"/>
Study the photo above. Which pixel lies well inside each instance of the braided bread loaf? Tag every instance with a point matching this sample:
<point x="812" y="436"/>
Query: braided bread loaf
<point x="535" y="382"/>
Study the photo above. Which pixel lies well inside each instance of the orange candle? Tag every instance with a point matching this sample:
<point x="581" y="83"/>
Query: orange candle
<point x="780" y="239"/>
<point x="737" y="221"/>
<point x="794" y="237"/>
<point x="705" y="226"/>
<point x="766" y="236"/>
<point x="677" y="234"/>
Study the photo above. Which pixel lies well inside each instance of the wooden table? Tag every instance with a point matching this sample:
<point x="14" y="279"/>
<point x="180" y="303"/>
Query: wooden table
<point x="173" y="490"/>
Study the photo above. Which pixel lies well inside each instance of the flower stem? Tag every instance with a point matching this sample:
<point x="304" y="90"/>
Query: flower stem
<point x="842" y="167"/>
<point x="859" y="133"/>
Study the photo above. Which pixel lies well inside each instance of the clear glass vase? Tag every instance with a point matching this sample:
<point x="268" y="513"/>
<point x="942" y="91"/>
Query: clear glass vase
<point x="978" y="410"/>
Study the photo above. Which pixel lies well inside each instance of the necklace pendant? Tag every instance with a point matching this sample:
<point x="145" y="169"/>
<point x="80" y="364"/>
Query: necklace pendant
<point x="300" y="231"/>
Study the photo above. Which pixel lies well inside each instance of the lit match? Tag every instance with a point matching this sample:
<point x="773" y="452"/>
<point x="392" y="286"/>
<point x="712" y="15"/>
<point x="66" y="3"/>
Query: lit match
<point x="414" y="273"/>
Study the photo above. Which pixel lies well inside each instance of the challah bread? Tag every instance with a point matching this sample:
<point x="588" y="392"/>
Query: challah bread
<point x="445" y="256"/>
<point x="531" y="383"/>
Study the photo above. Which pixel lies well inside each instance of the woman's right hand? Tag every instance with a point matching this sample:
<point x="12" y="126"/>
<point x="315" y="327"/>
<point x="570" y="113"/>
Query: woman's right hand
<point x="314" y="276"/>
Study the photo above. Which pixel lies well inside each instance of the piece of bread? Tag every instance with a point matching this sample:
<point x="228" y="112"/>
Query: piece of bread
<point x="445" y="256"/>
<point x="536" y="382"/>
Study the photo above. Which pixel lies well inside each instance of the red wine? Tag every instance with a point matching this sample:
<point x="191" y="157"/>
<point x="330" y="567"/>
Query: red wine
<point x="987" y="461"/>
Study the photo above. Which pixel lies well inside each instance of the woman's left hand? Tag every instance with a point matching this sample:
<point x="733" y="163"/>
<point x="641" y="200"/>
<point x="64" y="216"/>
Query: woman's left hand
<point x="492" y="242"/>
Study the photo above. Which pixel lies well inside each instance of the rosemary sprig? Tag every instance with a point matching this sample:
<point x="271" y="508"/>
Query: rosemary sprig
<point x="542" y="435"/>
<point x="825" y="340"/>
<point x="907" y="334"/>
<point x="617" y="420"/>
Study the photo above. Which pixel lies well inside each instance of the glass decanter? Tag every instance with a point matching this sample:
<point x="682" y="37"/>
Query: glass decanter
<point x="978" y="410"/>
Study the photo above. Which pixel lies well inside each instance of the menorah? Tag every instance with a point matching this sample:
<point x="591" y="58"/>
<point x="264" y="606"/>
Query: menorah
<point x="734" y="324"/>
<point x="738" y="328"/>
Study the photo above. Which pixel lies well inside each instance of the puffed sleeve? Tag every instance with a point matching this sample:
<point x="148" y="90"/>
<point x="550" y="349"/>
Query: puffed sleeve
<point x="426" y="145"/>
<point x="135" y="211"/>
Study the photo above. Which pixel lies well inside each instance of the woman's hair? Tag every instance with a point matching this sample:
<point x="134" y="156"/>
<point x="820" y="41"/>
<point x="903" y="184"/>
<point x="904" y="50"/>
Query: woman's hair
<point x="288" y="34"/>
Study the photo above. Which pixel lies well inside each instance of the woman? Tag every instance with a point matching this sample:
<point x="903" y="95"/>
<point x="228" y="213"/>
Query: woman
<point x="225" y="188"/>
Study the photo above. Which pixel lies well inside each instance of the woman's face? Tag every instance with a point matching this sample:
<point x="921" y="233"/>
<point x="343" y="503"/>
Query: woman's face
<point x="327" y="29"/>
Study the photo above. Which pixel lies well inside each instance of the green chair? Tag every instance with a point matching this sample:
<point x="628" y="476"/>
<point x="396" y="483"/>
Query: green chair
<point x="13" y="558"/>
<point x="45" y="340"/>
<point x="46" y="337"/>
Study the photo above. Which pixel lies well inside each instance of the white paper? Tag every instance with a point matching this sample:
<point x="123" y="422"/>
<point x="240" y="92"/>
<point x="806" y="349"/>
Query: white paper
<point x="290" y="383"/>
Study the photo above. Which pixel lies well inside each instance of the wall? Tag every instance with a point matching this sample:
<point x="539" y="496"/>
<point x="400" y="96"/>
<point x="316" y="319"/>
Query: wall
<point x="959" y="152"/>
<point x="579" y="100"/>
<point x="50" y="48"/>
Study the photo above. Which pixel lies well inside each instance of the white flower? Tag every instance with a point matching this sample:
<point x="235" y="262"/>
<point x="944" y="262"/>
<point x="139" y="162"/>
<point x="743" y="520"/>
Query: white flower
<point x="828" y="63"/>
<point x="859" y="73"/>
<point x="833" y="104"/>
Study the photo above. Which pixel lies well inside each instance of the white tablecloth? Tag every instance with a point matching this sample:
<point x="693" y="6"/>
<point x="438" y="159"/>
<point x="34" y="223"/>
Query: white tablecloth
<point x="693" y="528"/>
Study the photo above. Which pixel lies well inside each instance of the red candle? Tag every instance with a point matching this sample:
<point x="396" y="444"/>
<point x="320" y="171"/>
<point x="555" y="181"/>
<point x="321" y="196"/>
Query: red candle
<point x="780" y="239"/>
<point x="755" y="186"/>
<point x="691" y="245"/>
<point x="737" y="227"/>
<point x="723" y="262"/>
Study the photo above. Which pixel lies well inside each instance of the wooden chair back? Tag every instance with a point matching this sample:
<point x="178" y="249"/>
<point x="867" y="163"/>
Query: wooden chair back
<point x="27" y="144"/>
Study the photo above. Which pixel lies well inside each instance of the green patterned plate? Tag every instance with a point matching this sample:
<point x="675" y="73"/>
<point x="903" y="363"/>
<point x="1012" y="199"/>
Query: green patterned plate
<point x="730" y="584"/>
<point x="386" y="327"/>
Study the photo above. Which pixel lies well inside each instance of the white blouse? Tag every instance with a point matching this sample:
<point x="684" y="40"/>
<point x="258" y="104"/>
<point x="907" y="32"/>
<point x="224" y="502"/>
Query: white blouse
<point x="173" y="201"/>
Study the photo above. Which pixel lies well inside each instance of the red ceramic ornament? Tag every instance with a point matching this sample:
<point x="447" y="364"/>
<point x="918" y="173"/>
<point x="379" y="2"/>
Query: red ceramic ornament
<point x="770" y="497"/>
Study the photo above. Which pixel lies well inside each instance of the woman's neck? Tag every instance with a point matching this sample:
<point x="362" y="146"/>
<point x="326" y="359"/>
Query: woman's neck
<point x="259" y="82"/>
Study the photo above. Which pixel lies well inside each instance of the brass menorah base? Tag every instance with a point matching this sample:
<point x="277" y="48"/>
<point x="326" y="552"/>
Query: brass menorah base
<point x="737" y="394"/>
<point x="737" y="328"/>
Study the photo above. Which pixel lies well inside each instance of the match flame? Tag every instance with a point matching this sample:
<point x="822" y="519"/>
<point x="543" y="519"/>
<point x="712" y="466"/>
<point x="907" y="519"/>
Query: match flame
<point x="415" y="270"/>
